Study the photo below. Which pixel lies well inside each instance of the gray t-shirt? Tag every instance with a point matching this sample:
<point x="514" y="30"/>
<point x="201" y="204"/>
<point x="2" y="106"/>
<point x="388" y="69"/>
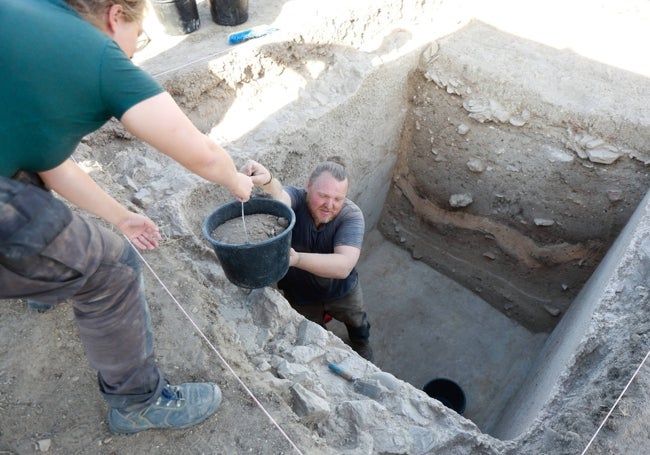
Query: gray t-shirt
<point x="346" y="229"/>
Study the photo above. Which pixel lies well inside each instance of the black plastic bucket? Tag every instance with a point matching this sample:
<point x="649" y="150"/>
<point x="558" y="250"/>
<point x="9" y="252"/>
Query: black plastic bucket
<point x="252" y="265"/>
<point x="447" y="392"/>
<point x="229" y="12"/>
<point x="178" y="17"/>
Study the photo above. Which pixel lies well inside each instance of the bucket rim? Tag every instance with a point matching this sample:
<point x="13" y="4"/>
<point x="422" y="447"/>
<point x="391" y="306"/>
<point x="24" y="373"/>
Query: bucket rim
<point x="249" y="245"/>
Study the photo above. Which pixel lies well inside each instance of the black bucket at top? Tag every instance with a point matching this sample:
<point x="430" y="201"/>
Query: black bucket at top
<point x="178" y="17"/>
<point x="229" y="12"/>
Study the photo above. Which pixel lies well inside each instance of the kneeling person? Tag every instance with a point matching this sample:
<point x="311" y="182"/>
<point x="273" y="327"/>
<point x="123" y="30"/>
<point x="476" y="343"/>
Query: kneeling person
<point x="326" y="244"/>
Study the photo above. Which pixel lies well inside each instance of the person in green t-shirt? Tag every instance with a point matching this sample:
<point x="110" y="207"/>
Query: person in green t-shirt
<point x="66" y="71"/>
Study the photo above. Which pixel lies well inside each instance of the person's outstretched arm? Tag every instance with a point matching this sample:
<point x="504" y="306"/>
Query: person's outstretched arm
<point x="162" y="124"/>
<point x="71" y="182"/>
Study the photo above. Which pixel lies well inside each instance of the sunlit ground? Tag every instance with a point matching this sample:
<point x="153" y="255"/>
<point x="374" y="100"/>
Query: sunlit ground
<point x="614" y="33"/>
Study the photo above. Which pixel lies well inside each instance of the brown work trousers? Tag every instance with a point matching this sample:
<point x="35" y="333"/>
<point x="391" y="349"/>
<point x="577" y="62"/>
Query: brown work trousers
<point x="49" y="254"/>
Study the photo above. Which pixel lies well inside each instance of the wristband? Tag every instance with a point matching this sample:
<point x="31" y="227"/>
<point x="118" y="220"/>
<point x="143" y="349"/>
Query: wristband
<point x="270" y="179"/>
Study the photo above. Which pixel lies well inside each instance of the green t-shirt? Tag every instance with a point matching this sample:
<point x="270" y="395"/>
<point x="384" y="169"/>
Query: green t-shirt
<point x="62" y="79"/>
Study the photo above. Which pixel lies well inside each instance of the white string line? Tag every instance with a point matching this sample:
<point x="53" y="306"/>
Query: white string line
<point x="616" y="403"/>
<point x="205" y="338"/>
<point x="207" y="57"/>
<point x="244" y="220"/>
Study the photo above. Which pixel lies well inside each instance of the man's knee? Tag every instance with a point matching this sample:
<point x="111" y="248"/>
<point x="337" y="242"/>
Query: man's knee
<point x="360" y="331"/>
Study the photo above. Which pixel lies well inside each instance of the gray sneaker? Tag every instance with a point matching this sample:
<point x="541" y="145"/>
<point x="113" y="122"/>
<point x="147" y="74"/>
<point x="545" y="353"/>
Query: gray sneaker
<point x="179" y="406"/>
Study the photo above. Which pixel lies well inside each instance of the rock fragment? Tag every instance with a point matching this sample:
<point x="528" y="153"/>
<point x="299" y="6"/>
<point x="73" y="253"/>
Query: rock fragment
<point x="543" y="222"/>
<point x="460" y="200"/>
<point x="476" y="165"/>
<point x="308" y="406"/>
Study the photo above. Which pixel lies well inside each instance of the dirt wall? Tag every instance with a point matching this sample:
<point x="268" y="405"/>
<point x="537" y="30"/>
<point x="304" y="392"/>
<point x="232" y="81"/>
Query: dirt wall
<point x="507" y="180"/>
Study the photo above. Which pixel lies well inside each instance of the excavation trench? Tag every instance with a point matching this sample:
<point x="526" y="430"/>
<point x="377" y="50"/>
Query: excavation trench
<point x="490" y="197"/>
<point x="487" y="211"/>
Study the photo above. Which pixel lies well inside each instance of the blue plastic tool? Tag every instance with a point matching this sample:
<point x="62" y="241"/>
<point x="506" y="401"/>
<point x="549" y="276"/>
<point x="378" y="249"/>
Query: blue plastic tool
<point x="255" y="32"/>
<point x="341" y="372"/>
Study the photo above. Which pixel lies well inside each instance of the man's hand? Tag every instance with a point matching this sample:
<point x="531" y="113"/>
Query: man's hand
<point x="258" y="173"/>
<point x="263" y="178"/>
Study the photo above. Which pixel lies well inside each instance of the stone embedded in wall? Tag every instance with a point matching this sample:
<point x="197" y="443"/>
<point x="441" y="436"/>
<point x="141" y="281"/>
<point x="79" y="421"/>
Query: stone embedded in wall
<point x="462" y="129"/>
<point x="603" y="155"/>
<point x="595" y="149"/>
<point x="490" y="110"/>
<point x="640" y="156"/>
<point x="553" y="311"/>
<point x="292" y="371"/>
<point x="476" y="165"/>
<point x="460" y="200"/>
<point x="615" y="194"/>
<point x="520" y="120"/>
<point x="308" y="406"/>
<point x="451" y="84"/>
<point x="143" y="198"/>
<point x="558" y="155"/>
<point x="126" y="182"/>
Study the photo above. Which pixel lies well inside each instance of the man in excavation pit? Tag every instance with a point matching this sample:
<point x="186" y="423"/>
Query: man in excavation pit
<point x="326" y="244"/>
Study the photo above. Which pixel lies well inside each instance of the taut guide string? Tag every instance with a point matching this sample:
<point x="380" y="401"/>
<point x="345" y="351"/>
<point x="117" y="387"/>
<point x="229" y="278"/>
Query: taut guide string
<point x="615" y="404"/>
<point x="244" y="221"/>
<point x="214" y="349"/>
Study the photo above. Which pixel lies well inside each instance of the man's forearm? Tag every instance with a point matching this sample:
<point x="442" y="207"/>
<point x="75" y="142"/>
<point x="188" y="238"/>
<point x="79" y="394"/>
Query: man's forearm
<point x="332" y="265"/>
<point x="73" y="184"/>
<point x="274" y="188"/>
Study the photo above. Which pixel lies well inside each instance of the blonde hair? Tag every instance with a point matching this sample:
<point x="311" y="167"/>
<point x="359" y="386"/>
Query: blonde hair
<point x="334" y="165"/>
<point x="93" y="10"/>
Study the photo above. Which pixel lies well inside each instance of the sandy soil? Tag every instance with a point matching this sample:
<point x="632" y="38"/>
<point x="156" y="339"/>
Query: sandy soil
<point x="253" y="228"/>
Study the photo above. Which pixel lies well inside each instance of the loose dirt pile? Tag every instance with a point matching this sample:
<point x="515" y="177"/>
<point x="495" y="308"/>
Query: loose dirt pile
<point x="253" y="228"/>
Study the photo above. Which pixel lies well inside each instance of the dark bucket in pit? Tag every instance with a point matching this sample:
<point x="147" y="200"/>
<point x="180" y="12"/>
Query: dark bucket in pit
<point x="447" y="392"/>
<point x="252" y="265"/>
